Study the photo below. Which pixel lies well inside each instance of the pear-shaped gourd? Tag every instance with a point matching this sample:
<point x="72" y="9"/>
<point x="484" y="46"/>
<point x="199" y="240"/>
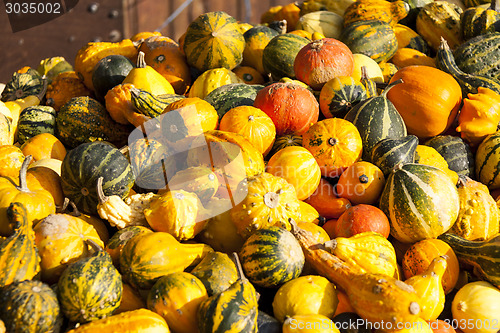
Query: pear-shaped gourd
<point x="147" y="78"/>
<point x="233" y="310"/>
<point x="429" y="287"/>
<point x="376" y="119"/>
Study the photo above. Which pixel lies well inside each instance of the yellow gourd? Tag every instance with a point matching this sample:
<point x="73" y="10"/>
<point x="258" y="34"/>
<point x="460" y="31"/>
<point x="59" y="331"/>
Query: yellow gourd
<point x="429" y="287"/>
<point x="147" y="78"/>
<point x="430" y="156"/>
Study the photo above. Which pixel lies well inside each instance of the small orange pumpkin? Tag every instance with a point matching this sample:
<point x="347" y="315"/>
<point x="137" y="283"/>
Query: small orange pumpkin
<point x="326" y="202"/>
<point x="120" y="107"/>
<point x="163" y="54"/>
<point x="361" y="183"/>
<point x="335" y="143"/>
<point x="44" y="145"/>
<point x="64" y="87"/>
<point x="428" y="99"/>
<point x="256" y="126"/>
<point x="249" y="75"/>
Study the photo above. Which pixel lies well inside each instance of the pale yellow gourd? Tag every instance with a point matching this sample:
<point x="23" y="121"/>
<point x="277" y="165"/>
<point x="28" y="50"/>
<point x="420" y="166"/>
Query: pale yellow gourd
<point x="429" y="287"/>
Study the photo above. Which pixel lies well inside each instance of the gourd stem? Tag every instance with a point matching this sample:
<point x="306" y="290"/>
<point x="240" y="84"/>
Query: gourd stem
<point x="390" y="85"/>
<point x="141" y="62"/>
<point x="330" y="245"/>
<point x="241" y="275"/>
<point x="96" y="247"/>
<point x="100" y="193"/>
<point x="64" y="206"/>
<point x="75" y="211"/>
<point x="23" y="185"/>
<point x="44" y="88"/>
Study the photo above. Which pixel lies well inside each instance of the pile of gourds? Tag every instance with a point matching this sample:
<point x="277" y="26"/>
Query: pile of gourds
<point x="337" y="163"/>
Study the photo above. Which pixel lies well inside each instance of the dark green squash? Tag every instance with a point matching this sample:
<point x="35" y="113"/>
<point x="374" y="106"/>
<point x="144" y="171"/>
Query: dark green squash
<point x="109" y="72"/>
<point x="376" y="119"/>
<point x="82" y="167"/>
<point x="36" y="120"/>
<point x="456" y="152"/>
<point x="468" y="82"/>
<point x="480" y="55"/>
<point x="484" y="256"/>
<point x="90" y="288"/>
<point x="21" y="85"/>
<point x="373" y="38"/>
<point x="30" y="306"/>
<point x="216" y="271"/>
<point x="234" y="310"/>
<point x="287" y="140"/>
<point x="271" y="256"/>
<point x="420" y="201"/>
<point x="19" y="259"/>
<point x="388" y="153"/>
<point x="339" y="95"/>
<point x="279" y="55"/>
<point x="231" y="95"/>
<point x="83" y="119"/>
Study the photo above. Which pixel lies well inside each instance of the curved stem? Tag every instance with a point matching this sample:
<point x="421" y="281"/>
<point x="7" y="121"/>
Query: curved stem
<point x="96" y="247"/>
<point x="141" y="62"/>
<point x="100" y="193"/>
<point x="23" y="185"/>
<point x="75" y="211"/>
<point x="241" y="275"/>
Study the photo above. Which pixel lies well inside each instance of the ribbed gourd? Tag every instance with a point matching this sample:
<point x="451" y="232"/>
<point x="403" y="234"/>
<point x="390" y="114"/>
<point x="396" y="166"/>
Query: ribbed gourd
<point x="339" y="95"/>
<point x="440" y="19"/>
<point x="91" y="288"/>
<point x="388" y="153"/>
<point x="483" y="256"/>
<point x="478" y="21"/>
<point x="234" y="310"/>
<point x="18" y="252"/>
<point x="420" y="201"/>
<point x="35" y="120"/>
<point x="479" y="55"/>
<point x="30" y="306"/>
<point x="376" y="119"/>
<point x="456" y="152"/>
<point x="279" y="55"/>
<point x="468" y="82"/>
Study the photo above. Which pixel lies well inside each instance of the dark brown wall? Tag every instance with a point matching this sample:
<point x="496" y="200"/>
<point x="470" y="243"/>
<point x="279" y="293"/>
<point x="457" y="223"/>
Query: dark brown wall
<point x="64" y="35"/>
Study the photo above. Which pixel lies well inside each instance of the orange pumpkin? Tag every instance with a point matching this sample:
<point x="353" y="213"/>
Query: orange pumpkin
<point x="163" y="54"/>
<point x="361" y="183"/>
<point x="362" y="218"/>
<point x="326" y="202"/>
<point x="335" y="143"/>
<point x="249" y="75"/>
<point x="428" y="99"/>
<point x="64" y="87"/>
<point x="47" y="179"/>
<point x="11" y="159"/>
<point x="44" y="145"/>
<point x="322" y="60"/>
<point x="292" y="107"/>
<point x="142" y="35"/>
<point x="256" y="126"/>
<point x="120" y="107"/>
<point x="418" y="257"/>
<point x="298" y="166"/>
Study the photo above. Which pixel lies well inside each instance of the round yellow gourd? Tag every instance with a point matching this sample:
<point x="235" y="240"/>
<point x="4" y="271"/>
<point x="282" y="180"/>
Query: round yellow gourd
<point x="211" y="79"/>
<point x="373" y="70"/>
<point x="309" y="294"/>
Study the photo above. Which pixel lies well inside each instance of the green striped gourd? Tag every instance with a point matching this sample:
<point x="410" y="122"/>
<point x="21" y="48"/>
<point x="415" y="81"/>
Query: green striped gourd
<point x="231" y="95"/>
<point x="468" y="82"/>
<point x="388" y="153"/>
<point x="22" y="85"/>
<point x="484" y="256"/>
<point x="339" y="95"/>
<point x="90" y="288"/>
<point x="455" y="151"/>
<point x="420" y="201"/>
<point x="256" y="39"/>
<point x="480" y="55"/>
<point x="488" y="161"/>
<point x="479" y="21"/>
<point x="30" y="306"/>
<point x="83" y="119"/>
<point x="271" y="256"/>
<point x="279" y="55"/>
<point x="83" y="165"/>
<point x="376" y="119"/>
<point x="373" y="38"/>
<point x="233" y="310"/>
<point x="149" y="104"/>
<point x="385" y="11"/>
<point x="214" y="40"/>
<point x="35" y="120"/>
<point x="287" y="140"/>
<point x="19" y="259"/>
<point x="369" y="84"/>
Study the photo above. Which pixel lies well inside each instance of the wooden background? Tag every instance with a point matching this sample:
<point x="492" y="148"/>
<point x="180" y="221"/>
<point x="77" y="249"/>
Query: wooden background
<point x="111" y="21"/>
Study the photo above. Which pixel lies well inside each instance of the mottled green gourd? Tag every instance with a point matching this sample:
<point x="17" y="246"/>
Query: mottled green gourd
<point x="468" y="82"/>
<point x="35" y="120"/>
<point x="455" y="151"/>
<point x="477" y="21"/>
<point x="24" y="84"/>
<point x="234" y="310"/>
<point x="90" y="288"/>
<point x="388" y="153"/>
<point x="30" y="306"/>
<point x="149" y="104"/>
<point x="480" y="55"/>
<point x="376" y="119"/>
<point x="216" y="271"/>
